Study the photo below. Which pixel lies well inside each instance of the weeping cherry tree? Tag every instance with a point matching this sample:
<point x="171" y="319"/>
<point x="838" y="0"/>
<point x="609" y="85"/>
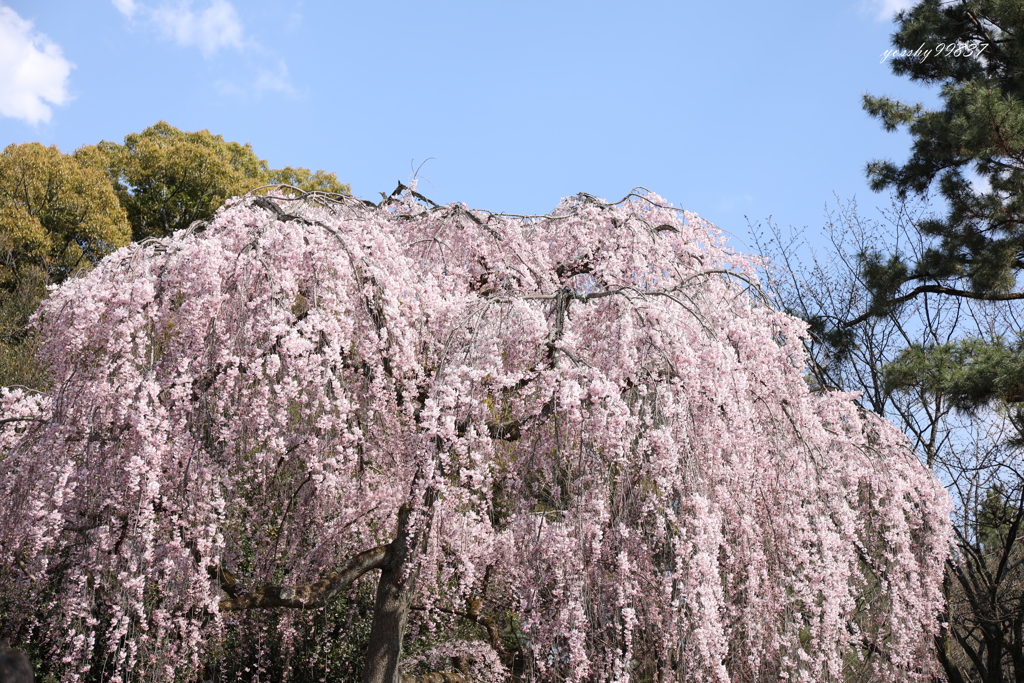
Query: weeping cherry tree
<point x="572" y="447"/>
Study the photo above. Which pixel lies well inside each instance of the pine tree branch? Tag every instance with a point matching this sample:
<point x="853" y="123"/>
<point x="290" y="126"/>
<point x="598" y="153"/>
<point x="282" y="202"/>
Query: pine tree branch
<point x="934" y="289"/>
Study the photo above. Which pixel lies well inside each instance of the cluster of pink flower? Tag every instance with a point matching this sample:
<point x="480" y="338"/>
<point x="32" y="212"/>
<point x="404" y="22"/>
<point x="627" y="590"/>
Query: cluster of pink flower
<point x="594" y="439"/>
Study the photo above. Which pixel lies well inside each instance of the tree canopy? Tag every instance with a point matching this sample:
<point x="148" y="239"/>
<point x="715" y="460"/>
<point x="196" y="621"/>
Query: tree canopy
<point x="167" y="178"/>
<point x="55" y="213"/>
<point x="575" y="447"/>
<point x="971" y="151"/>
<point x="56" y="216"/>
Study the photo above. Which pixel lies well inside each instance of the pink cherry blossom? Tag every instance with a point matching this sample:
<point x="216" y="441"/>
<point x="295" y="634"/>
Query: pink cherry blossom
<point x="584" y="439"/>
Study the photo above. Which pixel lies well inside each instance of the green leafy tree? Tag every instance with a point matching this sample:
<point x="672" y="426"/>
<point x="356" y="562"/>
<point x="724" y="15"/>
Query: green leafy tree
<point x="971" y="151"/>
<point x="167" y="178"/>
<point x="56" y="216"/>
<point x="973" y="372"/>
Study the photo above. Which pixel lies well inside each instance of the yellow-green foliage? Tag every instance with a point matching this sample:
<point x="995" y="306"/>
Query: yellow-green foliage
<point x="55" y="214"/>
<point x="307" y="180"/>
<point x="167" y="178"/>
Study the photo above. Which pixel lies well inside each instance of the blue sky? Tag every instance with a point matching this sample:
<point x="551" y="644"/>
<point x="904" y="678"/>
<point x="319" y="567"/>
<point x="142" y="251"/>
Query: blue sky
<point x="732" y="110"/>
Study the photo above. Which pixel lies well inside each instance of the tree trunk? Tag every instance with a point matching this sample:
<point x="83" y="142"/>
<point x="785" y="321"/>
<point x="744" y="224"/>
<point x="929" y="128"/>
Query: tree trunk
<point x="394" y="597"/>
<point x="390" y="615"/>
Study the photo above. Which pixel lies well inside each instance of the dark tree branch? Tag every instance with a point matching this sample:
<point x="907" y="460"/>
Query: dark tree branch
<point x="21" y="419"/>
<point x="935" y="289"/>
<point x="473" y="613"/>
<point x="304" y="597"/>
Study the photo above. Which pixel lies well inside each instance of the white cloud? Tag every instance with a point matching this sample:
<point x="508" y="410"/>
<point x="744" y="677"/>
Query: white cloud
<point x="210" y="29"/>
<point x="33" y="71"/>
<point x="126" y="7"/>
<point x="276" y="81"/>
<point x="887" y="8"/>
<point x="228" y="88"/>
<point x="211" y="26"/>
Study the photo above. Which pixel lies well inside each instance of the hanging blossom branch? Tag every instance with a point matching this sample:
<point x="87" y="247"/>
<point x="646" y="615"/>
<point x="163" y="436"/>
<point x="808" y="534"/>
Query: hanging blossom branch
<point x="594" y="410"/>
